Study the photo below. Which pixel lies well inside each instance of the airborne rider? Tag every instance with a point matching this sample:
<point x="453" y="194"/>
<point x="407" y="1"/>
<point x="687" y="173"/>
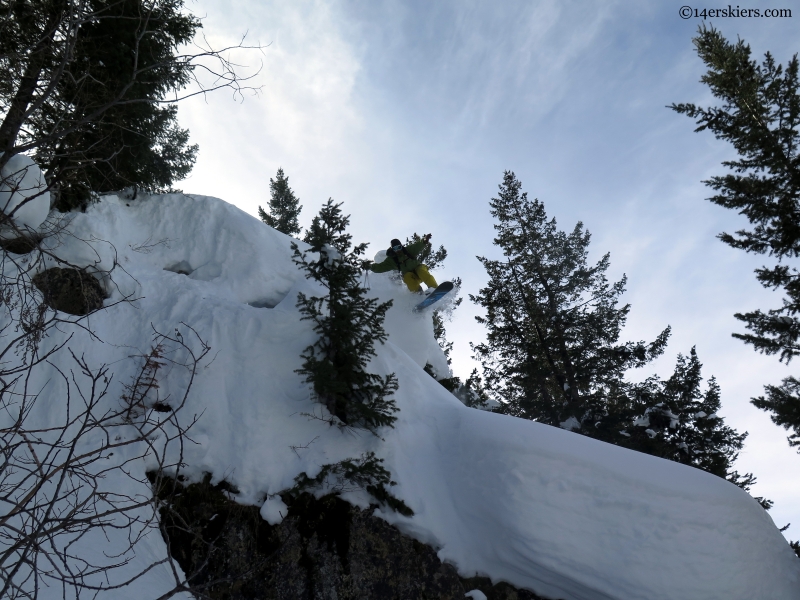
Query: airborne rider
<point x="404" y="259"/>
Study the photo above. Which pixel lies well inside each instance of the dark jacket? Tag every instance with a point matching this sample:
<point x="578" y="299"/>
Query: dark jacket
<point x="405" y="260"/>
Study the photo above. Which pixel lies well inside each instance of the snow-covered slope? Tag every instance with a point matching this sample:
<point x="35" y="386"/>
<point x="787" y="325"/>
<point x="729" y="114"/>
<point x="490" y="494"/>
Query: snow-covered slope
<point x="539" y="507"/>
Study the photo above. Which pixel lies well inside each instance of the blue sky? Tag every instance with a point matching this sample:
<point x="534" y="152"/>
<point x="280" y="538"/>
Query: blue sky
<point x="410" y="111"/>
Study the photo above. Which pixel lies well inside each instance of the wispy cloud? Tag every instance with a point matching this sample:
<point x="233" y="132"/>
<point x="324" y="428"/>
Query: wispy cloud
<point x="305" y="117"/>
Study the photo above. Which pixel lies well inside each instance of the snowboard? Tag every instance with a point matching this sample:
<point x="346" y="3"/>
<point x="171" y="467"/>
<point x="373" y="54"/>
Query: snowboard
<point x="436" y="295"/>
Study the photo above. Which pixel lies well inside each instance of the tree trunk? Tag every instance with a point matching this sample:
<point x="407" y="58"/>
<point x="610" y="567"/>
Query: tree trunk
<point x="19" y="104"/>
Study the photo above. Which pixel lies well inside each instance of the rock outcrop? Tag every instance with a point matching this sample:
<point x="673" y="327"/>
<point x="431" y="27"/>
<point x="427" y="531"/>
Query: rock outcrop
<point x="324" y="549"/>
<point x="71" y="291"/>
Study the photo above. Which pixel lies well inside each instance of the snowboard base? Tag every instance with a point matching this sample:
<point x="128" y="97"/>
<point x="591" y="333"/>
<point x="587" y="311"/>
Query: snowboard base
<point x="436" y="295"/>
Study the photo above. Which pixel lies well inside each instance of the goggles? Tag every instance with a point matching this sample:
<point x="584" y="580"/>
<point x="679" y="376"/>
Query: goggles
<point x="397" y="248"/>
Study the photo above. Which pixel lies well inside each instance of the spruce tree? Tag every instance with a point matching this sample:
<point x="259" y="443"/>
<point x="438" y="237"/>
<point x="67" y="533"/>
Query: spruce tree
<point x="759" y="114"/>
<point x="88" y="89"/>
<point x="552" y="352"/>
<point x="676" y="420"/>
<point x="123" y="66"/>
<point x="348" y="325"/>
<point x="366" y="472"/>
<point x="432" y="258"/>
<point x="284" y="207"/>
<point x="472" y="392"/>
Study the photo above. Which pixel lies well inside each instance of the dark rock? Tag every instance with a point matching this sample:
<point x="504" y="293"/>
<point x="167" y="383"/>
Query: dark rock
<point x="72" y="291"/>
<point x="324" y="549"/>
<point x="19" y="245"/>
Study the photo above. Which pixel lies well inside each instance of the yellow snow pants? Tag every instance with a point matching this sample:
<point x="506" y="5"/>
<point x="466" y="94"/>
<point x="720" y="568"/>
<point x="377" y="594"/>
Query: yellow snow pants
<point x="420" y="274"/>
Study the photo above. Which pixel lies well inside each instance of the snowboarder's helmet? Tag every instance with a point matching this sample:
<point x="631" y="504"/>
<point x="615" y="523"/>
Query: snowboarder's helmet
<point x="396" y="245"/>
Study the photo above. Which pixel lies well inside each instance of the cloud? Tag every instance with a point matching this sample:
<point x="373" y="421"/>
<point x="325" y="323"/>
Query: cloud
<point x="304" y="118"/>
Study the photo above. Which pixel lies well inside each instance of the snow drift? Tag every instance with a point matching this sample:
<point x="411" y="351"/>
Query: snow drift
<point x="539" y="507"/>
<point x="23" y="195"/>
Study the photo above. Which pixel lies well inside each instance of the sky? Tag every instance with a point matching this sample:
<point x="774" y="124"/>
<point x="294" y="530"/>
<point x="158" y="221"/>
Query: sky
<point x="409" y="112"/>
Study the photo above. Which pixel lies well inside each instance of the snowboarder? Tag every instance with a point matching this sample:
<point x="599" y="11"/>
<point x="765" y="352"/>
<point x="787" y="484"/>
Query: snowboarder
<point x="404" y="259"/>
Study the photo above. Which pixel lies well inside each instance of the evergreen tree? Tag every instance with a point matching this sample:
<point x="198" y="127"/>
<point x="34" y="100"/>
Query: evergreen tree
<point x="552" y="352"/>
<point x="680" y="423"/>
<point x="428" y="256"/>
<point x="472" y="392"/>
<point x="365" y="472"/>
<point x="284" y="207"/>
<point x="135" y="144"/>
<point x="32" y="41"/>
<point x="89" y="90"/>
<point x="676" y="420"/>
<point x="348" y="325"/>
<point x="106" y="101"/>
<point x="760" y="115"/>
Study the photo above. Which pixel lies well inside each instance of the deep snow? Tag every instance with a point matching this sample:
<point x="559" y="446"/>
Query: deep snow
<point x="23" y="195"/>
<point x="540" y="507"/>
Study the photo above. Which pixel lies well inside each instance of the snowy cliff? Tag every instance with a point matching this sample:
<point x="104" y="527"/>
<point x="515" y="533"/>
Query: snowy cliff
<point x="539" y="507"/>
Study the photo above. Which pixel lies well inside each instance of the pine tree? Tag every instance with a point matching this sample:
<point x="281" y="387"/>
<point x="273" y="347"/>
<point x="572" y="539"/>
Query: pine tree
<point x="552" y="352"/>
<point x="138" y="144"/>
<point x="428" y="256"/>
<point x="674" y="419"/>
<point x="284" y="207"/>
<point x="348" y="324"/>
<point x="365" y="472"/>
<point x="123" y="65"/>
<point x="89" y="90"/>
<point x="760" y="115"/>
<point x="472" y="392"/>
